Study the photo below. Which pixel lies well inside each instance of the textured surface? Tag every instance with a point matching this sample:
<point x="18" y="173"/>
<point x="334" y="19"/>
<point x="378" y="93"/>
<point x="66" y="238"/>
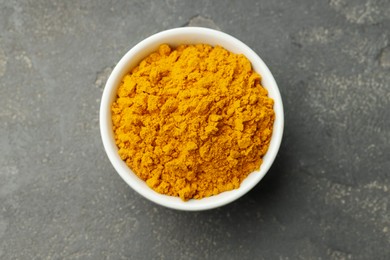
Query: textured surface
<point x="327" y="195"/>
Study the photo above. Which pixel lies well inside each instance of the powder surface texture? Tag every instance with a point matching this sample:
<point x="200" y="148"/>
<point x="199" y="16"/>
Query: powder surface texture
<point x="192" y="121"/>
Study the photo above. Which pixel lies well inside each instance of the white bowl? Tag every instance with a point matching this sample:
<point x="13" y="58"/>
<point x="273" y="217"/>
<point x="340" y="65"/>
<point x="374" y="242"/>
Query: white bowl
<point x="174" y="37"/>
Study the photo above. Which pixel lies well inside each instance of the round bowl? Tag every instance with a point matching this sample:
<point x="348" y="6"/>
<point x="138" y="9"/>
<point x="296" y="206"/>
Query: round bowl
<point x="174" y="37"/>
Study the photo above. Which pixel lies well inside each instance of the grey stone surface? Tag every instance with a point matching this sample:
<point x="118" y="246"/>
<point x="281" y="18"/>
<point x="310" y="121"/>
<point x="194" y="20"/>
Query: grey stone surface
<point x="326" y="197"/>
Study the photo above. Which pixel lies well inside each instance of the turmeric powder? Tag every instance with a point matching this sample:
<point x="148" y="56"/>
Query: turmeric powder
<point x="192" y="121"/>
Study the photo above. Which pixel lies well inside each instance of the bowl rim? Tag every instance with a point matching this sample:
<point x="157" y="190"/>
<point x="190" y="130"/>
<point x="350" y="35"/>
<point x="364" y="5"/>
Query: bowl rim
<point x="134" y="55"/>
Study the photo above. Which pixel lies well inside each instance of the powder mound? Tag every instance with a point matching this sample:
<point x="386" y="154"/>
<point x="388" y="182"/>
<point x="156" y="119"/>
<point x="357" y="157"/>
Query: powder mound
<point x="192" y="121"/>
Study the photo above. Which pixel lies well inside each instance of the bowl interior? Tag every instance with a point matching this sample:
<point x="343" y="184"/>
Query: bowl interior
<point x="174" y="37"/>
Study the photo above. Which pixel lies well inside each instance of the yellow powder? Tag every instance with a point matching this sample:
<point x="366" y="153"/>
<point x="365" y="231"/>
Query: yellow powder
<point x="194" y="121"/>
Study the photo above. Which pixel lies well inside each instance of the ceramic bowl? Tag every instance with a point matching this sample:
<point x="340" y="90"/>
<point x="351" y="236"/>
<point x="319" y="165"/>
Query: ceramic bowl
<point x="174" y="37"/>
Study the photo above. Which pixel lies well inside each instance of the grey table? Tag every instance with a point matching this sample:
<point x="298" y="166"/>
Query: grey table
<point x="327" y="195"/>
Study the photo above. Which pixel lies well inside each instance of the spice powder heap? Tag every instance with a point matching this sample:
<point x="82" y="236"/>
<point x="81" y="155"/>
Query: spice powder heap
<point x="192" y="121"/>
